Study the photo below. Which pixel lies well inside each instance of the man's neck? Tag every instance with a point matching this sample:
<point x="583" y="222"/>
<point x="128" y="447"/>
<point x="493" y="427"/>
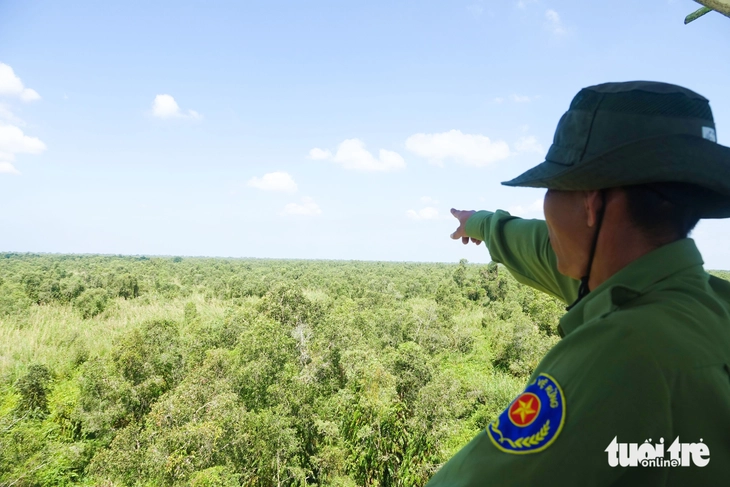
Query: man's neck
<point x="619" y="244"/>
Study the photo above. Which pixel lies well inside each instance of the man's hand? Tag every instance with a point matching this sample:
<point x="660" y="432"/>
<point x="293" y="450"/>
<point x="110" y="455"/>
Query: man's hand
<point x="460" y="233"/>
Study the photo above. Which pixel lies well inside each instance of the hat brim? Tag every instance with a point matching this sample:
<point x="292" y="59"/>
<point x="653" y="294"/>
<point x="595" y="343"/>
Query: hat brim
<point x="675" y="158"/>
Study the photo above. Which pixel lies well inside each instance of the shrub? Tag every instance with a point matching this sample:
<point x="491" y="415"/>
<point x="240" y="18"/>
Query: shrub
<point x="412" y="370"/>
<point x="106" y="401"/>
<point x="215" y="477"/>
<point x="71" y="288"/>
<point x="168" y="289"/>
<point x="495" y="285"/>
<point x="12" y="300"/>
<point x="191" y="313"/>
<point x="91" y="302"/>
<point x="287" y="305"/>
<point x="148" y="351"/>
<point x="33" y="388"/>
<point x="266" y="353"/>
<point x="544" y="310"/>
<point x="524" y="346"/>
<point x="127" y="287"/>
<point x="430" y="324"/>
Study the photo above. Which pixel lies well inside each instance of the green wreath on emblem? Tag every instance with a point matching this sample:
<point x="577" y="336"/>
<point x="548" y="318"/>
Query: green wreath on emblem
<point x="524" y="441"/>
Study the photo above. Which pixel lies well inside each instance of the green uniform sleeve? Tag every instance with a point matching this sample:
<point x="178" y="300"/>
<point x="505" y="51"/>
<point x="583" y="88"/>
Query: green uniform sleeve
<point x="523" y="247"/>
<point x="611" y="393"/>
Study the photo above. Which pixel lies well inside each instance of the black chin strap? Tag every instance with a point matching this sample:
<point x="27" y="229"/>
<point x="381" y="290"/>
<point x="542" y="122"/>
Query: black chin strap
<point x="583" y="290"/>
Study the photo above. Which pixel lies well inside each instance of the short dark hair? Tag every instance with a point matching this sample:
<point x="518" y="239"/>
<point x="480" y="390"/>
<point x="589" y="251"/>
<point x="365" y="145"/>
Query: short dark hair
<point x="664" y="211"/>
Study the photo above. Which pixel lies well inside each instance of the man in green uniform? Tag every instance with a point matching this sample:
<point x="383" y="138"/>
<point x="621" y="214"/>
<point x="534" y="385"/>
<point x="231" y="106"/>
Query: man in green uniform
<point x="637" y="392"/>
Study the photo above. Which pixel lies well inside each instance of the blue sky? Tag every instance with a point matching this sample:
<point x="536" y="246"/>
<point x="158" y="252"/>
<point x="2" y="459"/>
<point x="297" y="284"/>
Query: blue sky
<point x="327" y="130"/>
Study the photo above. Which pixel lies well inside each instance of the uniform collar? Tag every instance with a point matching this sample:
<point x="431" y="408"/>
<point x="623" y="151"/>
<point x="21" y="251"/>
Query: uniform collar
<point x="632" y="281"/>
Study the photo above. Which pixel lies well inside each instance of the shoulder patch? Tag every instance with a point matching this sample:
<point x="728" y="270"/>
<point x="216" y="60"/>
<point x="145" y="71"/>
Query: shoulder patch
<point x="533" y="420"/>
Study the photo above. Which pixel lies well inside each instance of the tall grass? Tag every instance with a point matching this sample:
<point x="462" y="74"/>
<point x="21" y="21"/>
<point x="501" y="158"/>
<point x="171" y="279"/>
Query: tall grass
<point x="56" y="336"/>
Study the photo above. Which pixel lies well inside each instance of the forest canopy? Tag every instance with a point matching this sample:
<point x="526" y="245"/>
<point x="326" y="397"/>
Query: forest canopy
<point x="136" y="371"/>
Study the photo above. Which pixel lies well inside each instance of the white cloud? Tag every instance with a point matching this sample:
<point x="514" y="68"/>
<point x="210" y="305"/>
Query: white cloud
<point x="427" y="213"/>
<point x="14" y="141"/>
<point x="7" y="116"/>
<point x="427" y="200"/>
<point x="469" y="149"/>
<point x="165" y="106"/>
<point x="519" y="98"/>
<point x="8" y="168"/>
<point x="351" y="154"/>
<point x="522" y="4"/>
<point x="532" y="210"/>
<point x="475" y="9"/>
<point x="11" y="85"/>
<point x="552" y="16"/>
<point x="274" y="181"/>
<point x="515" y="98"/>
<point x="307" y="208"/>
<point x="29" y="95"/>
<point x="319" y="154"/>
<point x="554" y="24"/>
<point x="529" y="144"/>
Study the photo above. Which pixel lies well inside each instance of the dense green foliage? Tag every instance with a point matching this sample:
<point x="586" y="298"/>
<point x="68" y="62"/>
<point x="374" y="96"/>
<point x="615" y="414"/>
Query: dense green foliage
<point x="211" y="372"/>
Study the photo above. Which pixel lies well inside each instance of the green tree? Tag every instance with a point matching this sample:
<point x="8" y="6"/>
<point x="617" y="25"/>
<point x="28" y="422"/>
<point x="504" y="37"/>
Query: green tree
<point x="91" y="302"/>
<point x="33" y="387"/>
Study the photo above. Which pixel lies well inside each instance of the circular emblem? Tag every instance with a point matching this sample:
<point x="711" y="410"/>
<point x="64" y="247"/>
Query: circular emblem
<point x="533" y="420"/>
<point x="524" y="410"/>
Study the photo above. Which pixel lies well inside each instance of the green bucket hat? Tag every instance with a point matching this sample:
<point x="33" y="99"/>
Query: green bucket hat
<point x="638" y="132"/>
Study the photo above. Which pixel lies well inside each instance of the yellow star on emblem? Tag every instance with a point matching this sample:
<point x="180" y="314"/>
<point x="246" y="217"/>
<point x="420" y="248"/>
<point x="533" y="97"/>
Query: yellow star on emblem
<point x="524" y="409"/>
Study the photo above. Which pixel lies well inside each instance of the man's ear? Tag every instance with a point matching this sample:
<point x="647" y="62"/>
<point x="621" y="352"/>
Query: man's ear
<point x="592" y="205"/>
